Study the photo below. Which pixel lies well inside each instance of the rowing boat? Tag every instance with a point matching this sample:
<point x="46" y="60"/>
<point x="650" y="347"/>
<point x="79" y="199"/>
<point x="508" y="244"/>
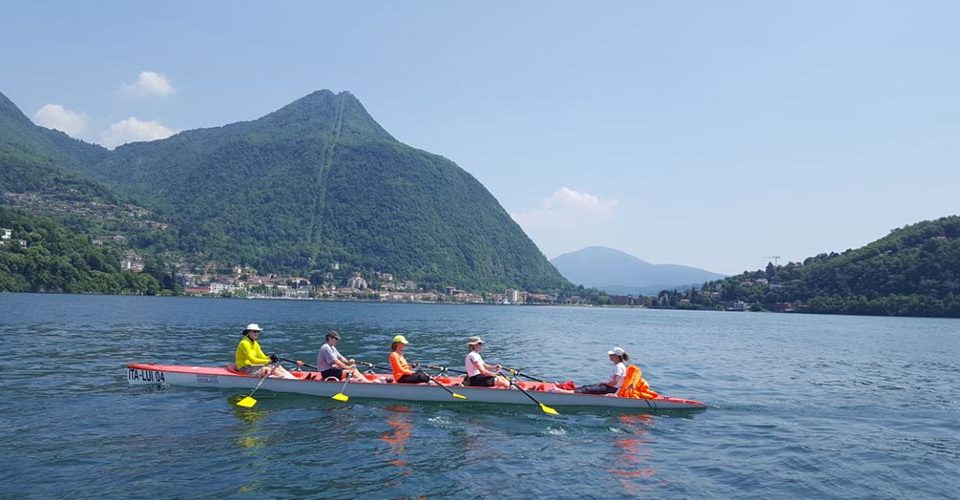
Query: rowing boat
<point x="381" y="386"/>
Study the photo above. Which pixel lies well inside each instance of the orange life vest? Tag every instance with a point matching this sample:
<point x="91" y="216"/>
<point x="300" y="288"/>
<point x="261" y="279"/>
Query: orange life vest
<point x="399" y="365"/>
<point x="635" y="386"/>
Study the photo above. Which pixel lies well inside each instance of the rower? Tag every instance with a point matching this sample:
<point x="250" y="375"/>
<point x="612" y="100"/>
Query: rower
<point x="332" y="364"/>
<point x="479" y="374"/>
<point x="617" y="374"/>
<point x="402" y="373"/>
<point x="251" y="360"/>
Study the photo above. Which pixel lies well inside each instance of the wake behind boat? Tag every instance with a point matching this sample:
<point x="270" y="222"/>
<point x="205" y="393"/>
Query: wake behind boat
<point x="383" y="387"/>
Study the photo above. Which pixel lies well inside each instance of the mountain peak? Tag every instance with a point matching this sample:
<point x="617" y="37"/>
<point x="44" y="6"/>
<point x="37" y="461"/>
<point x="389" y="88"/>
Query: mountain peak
<point x="325" y="109"/>
<point x="615" y="271"/>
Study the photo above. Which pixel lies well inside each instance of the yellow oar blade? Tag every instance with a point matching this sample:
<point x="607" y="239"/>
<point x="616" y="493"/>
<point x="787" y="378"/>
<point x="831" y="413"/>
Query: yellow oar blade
<point x="546" y="409"/>
<point x="247" y="402"/>
<point x="459" y="396"/>
<point x="343" y="398"/>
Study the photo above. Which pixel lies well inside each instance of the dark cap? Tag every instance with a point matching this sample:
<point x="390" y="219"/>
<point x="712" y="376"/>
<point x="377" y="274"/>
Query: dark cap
<point x="334" y="334"/>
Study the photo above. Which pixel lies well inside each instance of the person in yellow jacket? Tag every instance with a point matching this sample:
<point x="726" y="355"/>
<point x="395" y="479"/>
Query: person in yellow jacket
<point x="251" y="360"/>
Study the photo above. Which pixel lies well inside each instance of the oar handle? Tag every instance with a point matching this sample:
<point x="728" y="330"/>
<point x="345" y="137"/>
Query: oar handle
<point x="308" y="365"/>
<point x="442" y="369"/>
<point x="519" y="373"/>
<point x="374" y="365"/>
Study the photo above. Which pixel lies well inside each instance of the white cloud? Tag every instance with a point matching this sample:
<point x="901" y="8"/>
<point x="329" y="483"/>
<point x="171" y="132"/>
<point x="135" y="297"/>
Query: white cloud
<point x="58" y="117"/>
<point x="133" y="130"/>
<point x="567" y="218"/>
<point x="150" y="84"/>
<point x="568" y="200"/>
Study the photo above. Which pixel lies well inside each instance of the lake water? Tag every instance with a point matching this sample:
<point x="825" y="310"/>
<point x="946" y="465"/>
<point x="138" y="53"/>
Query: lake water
<point x="801" y="406"/>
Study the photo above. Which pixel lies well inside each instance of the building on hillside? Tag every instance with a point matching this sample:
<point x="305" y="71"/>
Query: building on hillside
<point x="197" y="291"/>
<point x="622" y="300"/>
<point x="356" y="281"/>
<point x="513" y="295"/>
<point x="739" y="306"/>
<point x="223" y="287"/>
<point x="6" y="234"/>
<point x="131" y="262"/>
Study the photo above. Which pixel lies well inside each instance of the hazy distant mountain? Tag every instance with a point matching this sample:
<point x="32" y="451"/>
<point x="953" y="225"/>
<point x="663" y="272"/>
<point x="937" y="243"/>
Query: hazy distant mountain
<point x="619" y="273"/>
<point x="314" y="183"/>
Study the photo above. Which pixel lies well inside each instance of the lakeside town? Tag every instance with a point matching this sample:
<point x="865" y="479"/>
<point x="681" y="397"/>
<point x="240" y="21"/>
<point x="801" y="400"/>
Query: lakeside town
<point x="244" y="282"/>
<point x="336" y="284"/>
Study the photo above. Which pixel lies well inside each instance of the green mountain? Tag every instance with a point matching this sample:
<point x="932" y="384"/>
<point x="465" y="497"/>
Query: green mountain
<point x="913" y="271"/>
<point x="36" y="159"/>
<point x="315" y="183"/>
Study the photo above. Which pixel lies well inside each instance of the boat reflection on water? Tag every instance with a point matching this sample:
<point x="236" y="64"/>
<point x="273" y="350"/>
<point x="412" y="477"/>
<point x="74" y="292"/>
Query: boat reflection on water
<point x="248" y="433"/>
<point x="632" y="453"/>
<point x="402" y="428"/>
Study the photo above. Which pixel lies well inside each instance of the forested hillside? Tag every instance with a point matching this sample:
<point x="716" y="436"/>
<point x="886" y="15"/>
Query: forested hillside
<point x="315" y="184"/>
<point x="39" y="255"/>
<point x="35" y="159"/>
<point x="913" y="271"/>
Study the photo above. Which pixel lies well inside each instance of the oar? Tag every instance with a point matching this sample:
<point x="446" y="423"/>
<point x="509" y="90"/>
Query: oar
<point x="546" y="409"/>
<point x="435" y="381"/>
<point x="372" y="365"/>
<point x="518" y="372"/>
<point x="294" y="362"/>
<point x="340" y="396"/>
<point x="248" y="401"/>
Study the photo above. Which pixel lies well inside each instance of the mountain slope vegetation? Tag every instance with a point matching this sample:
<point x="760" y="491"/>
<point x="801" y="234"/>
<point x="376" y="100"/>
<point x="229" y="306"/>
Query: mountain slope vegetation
<point x="314" y="185"/>
<point x="913" y="271"/>
<point x="42" y="256"/>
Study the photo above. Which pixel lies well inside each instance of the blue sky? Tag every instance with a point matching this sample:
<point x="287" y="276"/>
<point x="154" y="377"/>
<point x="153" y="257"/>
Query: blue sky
<point x="711" y="134"/>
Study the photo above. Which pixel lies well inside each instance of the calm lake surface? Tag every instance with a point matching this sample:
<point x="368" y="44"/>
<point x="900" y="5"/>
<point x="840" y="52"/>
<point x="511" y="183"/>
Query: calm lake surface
<point x="801" y="406"/>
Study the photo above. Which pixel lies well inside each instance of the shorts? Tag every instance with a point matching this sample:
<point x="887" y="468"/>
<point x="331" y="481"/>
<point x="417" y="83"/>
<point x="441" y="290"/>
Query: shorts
<point x="253" y="370"/>
<point x="334" y="372"/>
<point x="482" y="380"/>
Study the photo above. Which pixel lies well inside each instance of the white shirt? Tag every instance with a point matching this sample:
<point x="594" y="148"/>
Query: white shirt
<point x="472" y="362"/>
<point x="620" y="372"/>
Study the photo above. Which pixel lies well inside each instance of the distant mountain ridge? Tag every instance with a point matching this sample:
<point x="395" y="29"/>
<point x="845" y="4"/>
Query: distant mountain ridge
<point x="620" y="273"/>
<point x="314" y="184"/>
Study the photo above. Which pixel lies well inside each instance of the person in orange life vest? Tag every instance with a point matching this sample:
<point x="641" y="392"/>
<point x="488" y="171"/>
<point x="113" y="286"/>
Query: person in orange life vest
<point x="617" y="357"/>
<point x="635" y="386"/>
<point x="251" y="360"/>
<point x="402" y="373"/>
<point x="479" y="373"/>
